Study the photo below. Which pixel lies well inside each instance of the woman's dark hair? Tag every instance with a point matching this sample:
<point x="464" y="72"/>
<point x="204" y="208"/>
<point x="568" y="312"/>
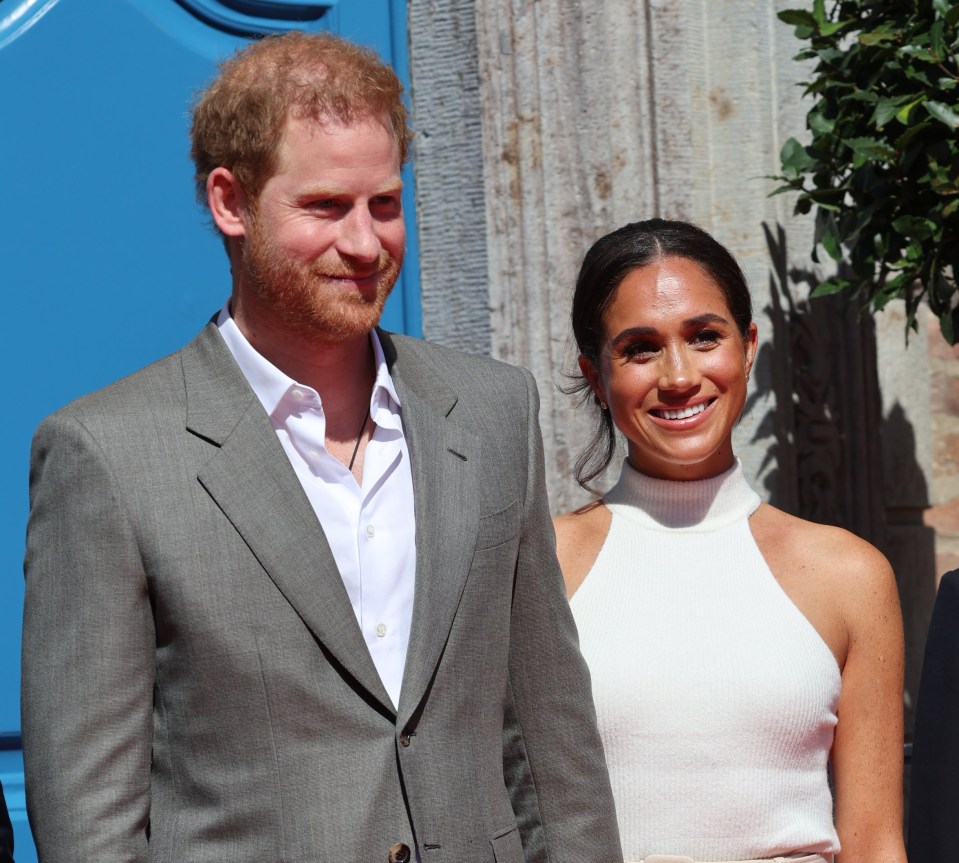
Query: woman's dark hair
<point x="605" y="265"/>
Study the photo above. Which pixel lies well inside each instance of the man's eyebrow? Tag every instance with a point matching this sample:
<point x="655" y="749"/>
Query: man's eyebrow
<point x="689" y="323"/>
<point x="339" y="191"/>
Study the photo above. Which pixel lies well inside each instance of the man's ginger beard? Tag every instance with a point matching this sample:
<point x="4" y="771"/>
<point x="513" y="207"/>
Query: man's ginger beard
<point x="303" y="295"/>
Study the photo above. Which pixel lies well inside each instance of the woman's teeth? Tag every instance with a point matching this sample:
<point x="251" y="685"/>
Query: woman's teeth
<point x="683" y="413"/>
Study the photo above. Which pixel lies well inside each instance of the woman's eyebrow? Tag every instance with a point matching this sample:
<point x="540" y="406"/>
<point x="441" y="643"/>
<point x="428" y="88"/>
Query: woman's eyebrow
<point x="699" y="320"/>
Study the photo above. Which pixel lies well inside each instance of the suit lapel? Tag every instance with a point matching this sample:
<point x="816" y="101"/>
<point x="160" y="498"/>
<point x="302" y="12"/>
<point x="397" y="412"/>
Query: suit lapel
<point x="252" y="481"/>
<point x="444" y="458"/>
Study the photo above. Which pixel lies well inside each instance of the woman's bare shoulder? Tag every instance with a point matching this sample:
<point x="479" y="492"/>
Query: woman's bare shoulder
<point x="580" y="535"/>
<point x="821" y="546"/>
<point x="843" y="584"/>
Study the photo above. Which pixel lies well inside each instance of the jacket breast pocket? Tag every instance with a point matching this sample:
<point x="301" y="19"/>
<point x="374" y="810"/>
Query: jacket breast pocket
<point x="498" y="527"/>
<point x="507" y="847"/>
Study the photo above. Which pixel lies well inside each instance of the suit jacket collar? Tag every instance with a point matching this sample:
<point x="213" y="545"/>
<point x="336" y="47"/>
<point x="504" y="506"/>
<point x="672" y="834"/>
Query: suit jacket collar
<point x="445" y="459"/>
<point x="253" y="482"/>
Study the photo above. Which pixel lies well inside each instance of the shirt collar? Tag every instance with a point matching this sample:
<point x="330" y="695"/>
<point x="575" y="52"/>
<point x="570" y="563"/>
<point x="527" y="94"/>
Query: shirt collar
<point x="270" y="384"/>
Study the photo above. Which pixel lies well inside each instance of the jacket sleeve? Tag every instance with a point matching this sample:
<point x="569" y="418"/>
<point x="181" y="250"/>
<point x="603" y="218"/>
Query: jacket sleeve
<point x="554" y="762"/>
<point x="934" y="791"/>
<point x="88" y="657"/>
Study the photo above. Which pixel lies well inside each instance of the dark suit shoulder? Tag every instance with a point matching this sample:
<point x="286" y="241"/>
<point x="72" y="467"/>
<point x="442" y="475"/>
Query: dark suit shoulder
<point x="933" y="829"/>
<point x="949" y="587"/>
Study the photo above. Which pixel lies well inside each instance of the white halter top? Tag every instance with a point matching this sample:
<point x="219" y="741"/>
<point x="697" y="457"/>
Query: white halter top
<point x="716" y="697"/>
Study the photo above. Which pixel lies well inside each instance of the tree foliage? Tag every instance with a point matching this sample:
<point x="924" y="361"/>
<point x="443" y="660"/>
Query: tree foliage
<point x="882" y="169"/>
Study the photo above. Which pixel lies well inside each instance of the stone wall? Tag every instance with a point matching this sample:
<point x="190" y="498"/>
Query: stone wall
<point x="543" y="125"/>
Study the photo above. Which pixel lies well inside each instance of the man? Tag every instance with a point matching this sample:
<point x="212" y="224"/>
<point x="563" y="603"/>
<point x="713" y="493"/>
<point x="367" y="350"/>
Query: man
<point x="291" y="592"/>
<point x="934" y="788"/>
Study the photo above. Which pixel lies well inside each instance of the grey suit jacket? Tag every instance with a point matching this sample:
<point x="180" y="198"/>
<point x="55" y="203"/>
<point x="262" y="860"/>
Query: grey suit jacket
<point x="195" y="685"/>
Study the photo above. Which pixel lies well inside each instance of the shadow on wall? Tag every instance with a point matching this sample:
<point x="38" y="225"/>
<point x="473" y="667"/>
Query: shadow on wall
<point x="831" y="439"/>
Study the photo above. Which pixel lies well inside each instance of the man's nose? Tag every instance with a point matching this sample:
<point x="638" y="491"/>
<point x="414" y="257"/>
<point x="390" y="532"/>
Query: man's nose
<point x="358" y="239"/>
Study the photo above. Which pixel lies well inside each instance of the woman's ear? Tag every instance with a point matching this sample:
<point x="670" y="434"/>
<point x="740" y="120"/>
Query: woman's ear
<point x="594" y="379"/>
<point x="751" y="343"/>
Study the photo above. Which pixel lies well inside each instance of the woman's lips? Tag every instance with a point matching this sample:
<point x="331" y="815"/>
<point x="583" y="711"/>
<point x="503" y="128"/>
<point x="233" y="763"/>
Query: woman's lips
<point x="677" y="415"/>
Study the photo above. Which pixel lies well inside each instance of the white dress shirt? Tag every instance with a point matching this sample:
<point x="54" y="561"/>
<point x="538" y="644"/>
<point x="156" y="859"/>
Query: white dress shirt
<point x="370" y="528"/>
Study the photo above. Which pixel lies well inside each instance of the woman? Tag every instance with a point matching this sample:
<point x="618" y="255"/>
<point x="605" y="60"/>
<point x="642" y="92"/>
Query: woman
<point x="735" y="650"/>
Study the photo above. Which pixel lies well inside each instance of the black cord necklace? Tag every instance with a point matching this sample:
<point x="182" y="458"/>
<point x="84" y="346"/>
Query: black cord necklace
<point x="356" y="449"/>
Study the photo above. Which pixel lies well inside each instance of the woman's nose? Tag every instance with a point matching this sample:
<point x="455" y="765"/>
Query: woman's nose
<point x="678" y="371"/>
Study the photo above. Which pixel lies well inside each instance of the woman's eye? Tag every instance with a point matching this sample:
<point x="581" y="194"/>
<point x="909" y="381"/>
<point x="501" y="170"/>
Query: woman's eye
<point x="639" y="350"/>
<point x="706" y="337"/>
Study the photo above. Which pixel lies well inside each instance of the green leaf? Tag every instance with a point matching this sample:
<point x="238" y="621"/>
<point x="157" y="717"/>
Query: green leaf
<point x="794" y="158"/>
<point x="831" y="28"/>
<point x="780" y="189"/>
<point x="885" y="111"/>
<point x="830" y="286"/>
<point x="916" y="228"/>
<point x="949" y="325"/>
<point x="830" y="242"/>
<point x="942" y="7"/>
<point x="902" y="115"/>
<point x="919" y="129"/>
<point x="871" y="149"/>
<point x="944" y="113"/>
<point x="828" y="199"/>
<point x="937" y="39"/>
<point x="819" y="123"/>
<point x="797" y="18"/>
<point x="919" y="52"/>
<point x="952" y="16"/>
<point x="876" y="38"/>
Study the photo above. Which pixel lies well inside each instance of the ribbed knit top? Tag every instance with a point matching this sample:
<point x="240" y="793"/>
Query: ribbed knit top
<point x="716" y="697"/>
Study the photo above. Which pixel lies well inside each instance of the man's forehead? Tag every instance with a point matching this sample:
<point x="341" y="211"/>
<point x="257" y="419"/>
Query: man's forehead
<point x="306" y="121"/>
<point x="335" y="141"/>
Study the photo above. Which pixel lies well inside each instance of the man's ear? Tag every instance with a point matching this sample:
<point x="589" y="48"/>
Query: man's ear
<point x="593" y="378"/>
<point x="228" y="203"/>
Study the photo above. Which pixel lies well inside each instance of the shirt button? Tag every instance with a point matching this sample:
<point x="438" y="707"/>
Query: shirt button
<point x="370" y="531"/>
<point x="297" y="395"/>
<point x="381" y="629"/>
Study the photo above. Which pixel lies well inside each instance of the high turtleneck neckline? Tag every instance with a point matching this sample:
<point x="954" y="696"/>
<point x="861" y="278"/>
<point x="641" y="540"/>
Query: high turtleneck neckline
<point x="699" y="505"/>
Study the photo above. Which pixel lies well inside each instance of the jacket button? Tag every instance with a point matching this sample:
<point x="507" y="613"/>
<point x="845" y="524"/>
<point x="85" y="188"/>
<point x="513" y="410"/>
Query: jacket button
<point x="404" y="741"/>
<point x="399" y="853"/>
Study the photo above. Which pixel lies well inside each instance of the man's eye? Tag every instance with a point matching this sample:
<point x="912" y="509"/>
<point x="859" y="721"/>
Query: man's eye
<point x="389" y="203"/>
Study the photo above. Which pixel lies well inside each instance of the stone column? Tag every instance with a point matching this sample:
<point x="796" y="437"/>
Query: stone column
<point x="599" y="114"/>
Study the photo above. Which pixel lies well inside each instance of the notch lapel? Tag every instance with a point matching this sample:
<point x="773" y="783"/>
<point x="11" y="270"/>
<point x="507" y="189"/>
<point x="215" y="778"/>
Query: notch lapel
<point x="252" y="481"/>
<point x="444" y="459"/>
